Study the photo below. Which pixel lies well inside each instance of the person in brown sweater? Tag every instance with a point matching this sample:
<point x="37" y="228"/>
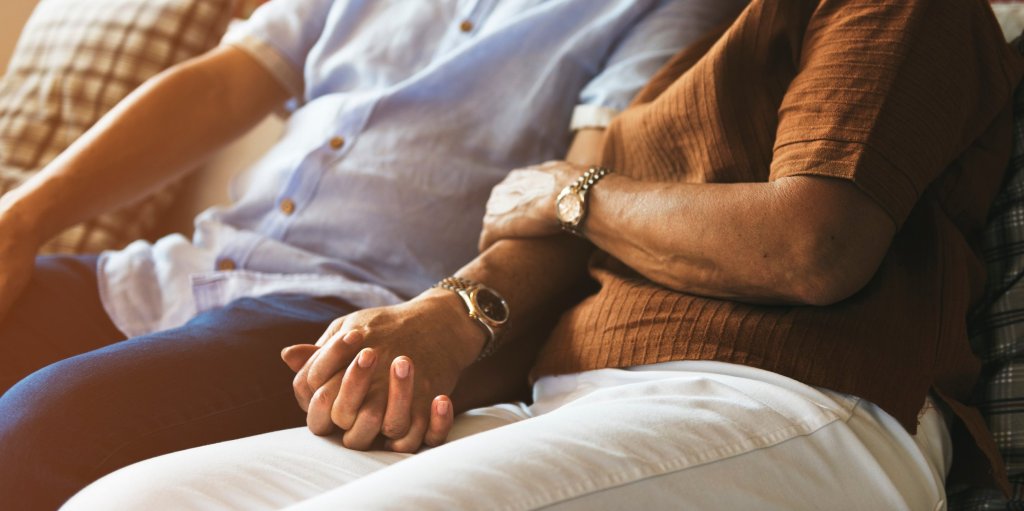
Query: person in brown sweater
<point x="777" y="243"/>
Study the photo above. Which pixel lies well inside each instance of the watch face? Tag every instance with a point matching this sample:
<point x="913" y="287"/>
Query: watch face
<point x="570" y="208"/>
<point x="492" y="305"/>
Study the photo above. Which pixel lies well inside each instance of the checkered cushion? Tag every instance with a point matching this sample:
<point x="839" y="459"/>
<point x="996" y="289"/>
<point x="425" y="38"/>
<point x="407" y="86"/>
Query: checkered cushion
<point x="997" y="329"/>
<point x="75" y="60"/>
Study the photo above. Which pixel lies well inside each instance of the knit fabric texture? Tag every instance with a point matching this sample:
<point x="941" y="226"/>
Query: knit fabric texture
<point x="908" y="100"/>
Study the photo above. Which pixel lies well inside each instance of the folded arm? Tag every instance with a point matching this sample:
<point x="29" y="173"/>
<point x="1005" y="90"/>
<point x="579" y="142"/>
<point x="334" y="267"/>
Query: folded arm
<point x="799" y="240"/>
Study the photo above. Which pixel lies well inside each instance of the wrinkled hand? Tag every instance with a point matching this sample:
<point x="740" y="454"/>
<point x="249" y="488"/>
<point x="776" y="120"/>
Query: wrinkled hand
<point x="386" y="372"/>
<point x="523" y="204"/>
<point x="17" y="261"/>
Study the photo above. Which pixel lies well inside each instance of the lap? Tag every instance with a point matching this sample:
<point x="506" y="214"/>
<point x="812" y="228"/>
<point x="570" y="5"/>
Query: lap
<point x="216" y="378"/>
<point x="59" y="315"/>
<point x="609" y="439"/>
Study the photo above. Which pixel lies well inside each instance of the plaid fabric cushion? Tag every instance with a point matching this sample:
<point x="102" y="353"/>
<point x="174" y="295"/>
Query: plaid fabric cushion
<point x="74" y="61"/>
<point x="997" y="329"/>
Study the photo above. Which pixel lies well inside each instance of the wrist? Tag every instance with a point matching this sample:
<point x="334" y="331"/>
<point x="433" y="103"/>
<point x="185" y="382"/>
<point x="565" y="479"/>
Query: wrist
<point x="467" y="336"/>
<point x="611" y="205"/>
<point x="19" y="221"/>
<point x="572" y="202"/>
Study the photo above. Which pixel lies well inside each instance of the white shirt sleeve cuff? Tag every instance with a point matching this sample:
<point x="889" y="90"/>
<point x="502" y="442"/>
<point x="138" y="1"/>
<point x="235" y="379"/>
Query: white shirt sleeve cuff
<point x="591" y="116"/>
<point x="273" y="61"/>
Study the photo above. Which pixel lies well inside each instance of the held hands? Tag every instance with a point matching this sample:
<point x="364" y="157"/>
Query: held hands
<point x="386" y="373"/>
<point x="523" y="204"/>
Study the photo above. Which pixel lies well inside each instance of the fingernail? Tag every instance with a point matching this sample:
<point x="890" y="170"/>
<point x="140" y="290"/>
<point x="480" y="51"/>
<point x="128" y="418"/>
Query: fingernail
<point x="442" y="407"/>
<point x="366" y="358"/>
<point x="402" y="367"/>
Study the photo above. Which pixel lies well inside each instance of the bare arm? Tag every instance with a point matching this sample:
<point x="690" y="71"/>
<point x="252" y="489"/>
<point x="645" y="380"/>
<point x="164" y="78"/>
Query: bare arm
<point x="533" y="272"/>
<point x="156" y="134"/>
<point x="800" y="239"/>
<point x="160" y="131"/>
<point x="439" y="342"/>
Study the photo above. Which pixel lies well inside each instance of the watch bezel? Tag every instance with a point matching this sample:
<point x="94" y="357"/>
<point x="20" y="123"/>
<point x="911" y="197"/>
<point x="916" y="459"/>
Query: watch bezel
<point x="474" y="296"/>
<point x="580" y="201"/>
<point x="469" y="292"/>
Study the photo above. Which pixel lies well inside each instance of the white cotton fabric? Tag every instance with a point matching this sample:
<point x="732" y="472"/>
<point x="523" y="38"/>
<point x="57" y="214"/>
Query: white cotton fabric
<point x="693" y="435"/>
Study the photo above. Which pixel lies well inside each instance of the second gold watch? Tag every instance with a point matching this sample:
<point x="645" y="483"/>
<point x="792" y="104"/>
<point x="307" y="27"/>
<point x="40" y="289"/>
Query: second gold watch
<point x="571" y="203"/>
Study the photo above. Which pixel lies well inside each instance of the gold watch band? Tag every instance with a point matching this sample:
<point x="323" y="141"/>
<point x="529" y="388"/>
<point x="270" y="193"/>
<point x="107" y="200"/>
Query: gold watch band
<point x="470" y="291"/>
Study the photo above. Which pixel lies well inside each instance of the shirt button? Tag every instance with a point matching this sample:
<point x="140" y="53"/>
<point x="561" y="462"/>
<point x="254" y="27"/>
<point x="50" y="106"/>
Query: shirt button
<point x="226" y="265"/>
<point x="287" y="206"/>
<point x="337" y="143"/>
<point x="466" y="26"/>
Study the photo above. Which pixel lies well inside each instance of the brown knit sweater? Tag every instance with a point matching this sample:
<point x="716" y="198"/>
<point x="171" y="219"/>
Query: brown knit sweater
<point x="909" y="100"/>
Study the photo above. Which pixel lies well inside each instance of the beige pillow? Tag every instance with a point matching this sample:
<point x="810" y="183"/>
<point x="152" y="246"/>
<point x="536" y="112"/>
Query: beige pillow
<point x="74" y="61"/>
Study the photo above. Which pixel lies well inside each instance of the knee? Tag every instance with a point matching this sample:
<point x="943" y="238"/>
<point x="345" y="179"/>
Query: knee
<point x="132" y="487"/>
<point x="53" y="408"/>
<point x="34" y="403"/>
<point x="46" y="452"/>
<point x="228" y="475"/>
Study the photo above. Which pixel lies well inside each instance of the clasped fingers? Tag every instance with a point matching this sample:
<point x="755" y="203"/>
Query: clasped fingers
<point x="335" y="354"/>
<point x="316" y="364"/>
<point x="370" y="403"/>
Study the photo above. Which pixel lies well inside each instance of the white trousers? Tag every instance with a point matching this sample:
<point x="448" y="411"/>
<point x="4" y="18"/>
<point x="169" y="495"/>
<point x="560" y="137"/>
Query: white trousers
<point x="677" y="435"/>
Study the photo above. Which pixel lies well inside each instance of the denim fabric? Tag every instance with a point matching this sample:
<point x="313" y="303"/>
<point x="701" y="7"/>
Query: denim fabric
<point x="58" y="316"/>
<point x="216" y="378"/>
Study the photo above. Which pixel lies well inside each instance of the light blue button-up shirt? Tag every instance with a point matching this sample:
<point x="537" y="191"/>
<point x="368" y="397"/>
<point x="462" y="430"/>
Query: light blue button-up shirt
<point x="406" y="113"/>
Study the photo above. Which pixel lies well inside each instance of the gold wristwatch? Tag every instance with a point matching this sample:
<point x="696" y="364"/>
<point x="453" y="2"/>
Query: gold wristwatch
<point x="571" y="204"/>
<point x="484" y="305"/>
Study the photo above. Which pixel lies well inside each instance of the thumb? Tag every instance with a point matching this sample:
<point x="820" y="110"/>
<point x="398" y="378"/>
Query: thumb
<point x="296" y="356"/>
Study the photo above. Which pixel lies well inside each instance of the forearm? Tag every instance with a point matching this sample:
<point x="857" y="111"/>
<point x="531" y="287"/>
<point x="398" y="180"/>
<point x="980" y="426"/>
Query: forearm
<point x="795" y="240"/>
<point x="532" y="274"/>
<point x="535" y="276"/>
<point x="535" y="273"/>
<point x="163" y="129"/>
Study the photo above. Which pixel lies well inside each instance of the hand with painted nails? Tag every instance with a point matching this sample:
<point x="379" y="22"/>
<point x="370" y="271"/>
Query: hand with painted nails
<point x="387" y="372"/>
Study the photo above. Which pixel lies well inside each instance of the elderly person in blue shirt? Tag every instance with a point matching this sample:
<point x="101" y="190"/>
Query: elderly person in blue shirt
<point x="405" y="115"/>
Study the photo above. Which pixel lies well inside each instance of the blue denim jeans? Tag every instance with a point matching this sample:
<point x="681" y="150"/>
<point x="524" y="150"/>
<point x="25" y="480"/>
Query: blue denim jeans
<point x="80" y="401"/>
